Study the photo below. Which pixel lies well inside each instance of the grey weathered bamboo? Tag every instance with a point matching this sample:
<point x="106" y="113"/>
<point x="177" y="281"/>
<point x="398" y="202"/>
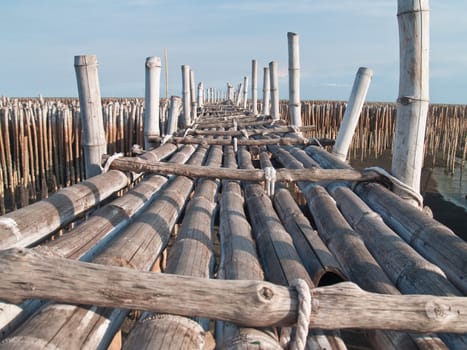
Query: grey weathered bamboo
<point x="266" y="91"/>
<point x="251" y="142"/>
<point x="174" y="114"/>
<point x="283" y="174"/>
<point x="254" y="87"/>
<point x="294" y="79"/>
<point x="412" y="108"/>
<point x="352" y="112"/>
<point x="185" y="119"/>
<point x="274" y="81"/>
<point x="191" y="255"/>
<point x="254" y="303"/>
<point x="152" y="100"/>
<point x="250" y="132"/>
<point x="238" y="260"/>
<point x="94" y="143"/>
<point x="137" y="247"/>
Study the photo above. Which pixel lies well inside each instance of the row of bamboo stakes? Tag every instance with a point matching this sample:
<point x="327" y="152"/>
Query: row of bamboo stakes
<point x="40" y="139"/>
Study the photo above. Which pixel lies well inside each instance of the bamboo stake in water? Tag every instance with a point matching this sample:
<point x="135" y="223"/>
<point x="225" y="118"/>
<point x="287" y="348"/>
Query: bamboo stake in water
<point x="294" y="80"/>
<point x="151" y="100"/>
<point x="91" y="113"/>
<point x="275" y="113"/>
<point x="412" y="108"/>
<point x="352" y="112"/>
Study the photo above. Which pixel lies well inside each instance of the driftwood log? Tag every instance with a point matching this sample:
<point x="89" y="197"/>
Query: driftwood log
<point x="255" y="175"/>
<point x="26" y="274"/>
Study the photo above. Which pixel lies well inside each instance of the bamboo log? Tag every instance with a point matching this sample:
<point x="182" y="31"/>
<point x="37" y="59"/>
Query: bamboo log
<point x="137" y="247"/>
<point x="245" y="93"/>
<point x="294" y="80"/>
<point x="185" y="119"/>
<point x="431" y="239"/>
<point x="250" y="142"/>
<point x="174" y="114"/>
<point x="238" y="260"/>
<point x="316" y="257"/>
<point x="200" y="95"/>
<point x="250" y="132"/>
<point x="409" y="272"/>
<point x="193" y="101"/>
<point x="191" y="255"/>
<point x="352" y="112"/>
<point x="152" y="100"/>
<point x="91" y="113"/>
<point x="266" y="91"/>
<point x="274" y="79"/>
<point x="412" y="108"/>
<point x="254" y="87"/>
<point x="250" y="302"/>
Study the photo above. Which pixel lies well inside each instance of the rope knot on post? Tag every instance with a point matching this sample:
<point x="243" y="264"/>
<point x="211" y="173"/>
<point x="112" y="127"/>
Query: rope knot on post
<point x="304" y="313"/>
<point x="270" y="177"/>
<point x="110" y="160"/>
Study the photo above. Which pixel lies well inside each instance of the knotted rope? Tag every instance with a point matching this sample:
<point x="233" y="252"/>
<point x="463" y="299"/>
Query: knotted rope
<point x="270" y="177"/>
<point x="304" y="313"/>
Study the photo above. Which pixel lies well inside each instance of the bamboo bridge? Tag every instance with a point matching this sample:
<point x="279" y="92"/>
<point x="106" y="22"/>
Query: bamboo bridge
<point x="230" y="229"/>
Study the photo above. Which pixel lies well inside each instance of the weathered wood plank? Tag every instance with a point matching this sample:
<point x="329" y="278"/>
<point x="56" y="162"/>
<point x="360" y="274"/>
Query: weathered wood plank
<point x="254" y="303"/>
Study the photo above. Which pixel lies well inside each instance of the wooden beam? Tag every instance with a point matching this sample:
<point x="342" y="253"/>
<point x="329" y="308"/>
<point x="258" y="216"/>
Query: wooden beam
<point x="26" y="274"/>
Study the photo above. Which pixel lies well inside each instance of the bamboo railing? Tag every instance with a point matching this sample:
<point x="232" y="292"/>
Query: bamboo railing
<point x="41" y="146"/>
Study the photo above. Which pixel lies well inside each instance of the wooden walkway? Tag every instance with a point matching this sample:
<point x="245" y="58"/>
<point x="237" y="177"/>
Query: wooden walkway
<point x="235" y="197"/>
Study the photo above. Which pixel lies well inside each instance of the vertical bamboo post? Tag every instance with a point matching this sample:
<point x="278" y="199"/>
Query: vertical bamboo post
<point x="194" y="105"/>
<point x="174" y="112"/>
<point x="200" y="95"/>
<point x="352" y="112"/>
<point x="152" y="100"/>
<point x="254" y="87"/>
<point x="294" y="80"/>
<point x="94" y="144"/>
<point x="245" y="92"/>
<point x="266" y="92"/>
<point x="412" y="104"/>
<point x="230" y="92"/>
<point x="274" y="80"/>
<point x="185" y="120"/>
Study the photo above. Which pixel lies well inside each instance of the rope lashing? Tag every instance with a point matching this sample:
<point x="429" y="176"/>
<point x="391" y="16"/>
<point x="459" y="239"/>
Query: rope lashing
<point x="317" y="142"/>
<point x="245" y="133"/>
<point x="304" y="313"/>
<point x="187" y="131"/>
<point x="270" y="177"/>
<point x="165" y="139"/>
<point x="110" y="160"/>
<point x="401" y="187"/>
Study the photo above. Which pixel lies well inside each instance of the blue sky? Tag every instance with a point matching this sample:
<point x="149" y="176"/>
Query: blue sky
<point x="218" y="39"/>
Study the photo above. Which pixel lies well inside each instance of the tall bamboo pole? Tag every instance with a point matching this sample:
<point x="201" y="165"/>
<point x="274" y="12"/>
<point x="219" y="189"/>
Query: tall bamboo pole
<point x="200" y="95"/>
<point x="185" y="121"/>
<point x="245" y="92"/>
<point x="294" y="80"/>
<point x="352" y="112"/>
<point x="194" y="105"/>
<point x="152" y="100"/>
<point x="266" y="92"/>
<point x="275" y="113"/>
<point x="230" y="92"/>
<point x="94" y="144"/>
<point x="412" y="108"/>
<point x="254" y="87"/>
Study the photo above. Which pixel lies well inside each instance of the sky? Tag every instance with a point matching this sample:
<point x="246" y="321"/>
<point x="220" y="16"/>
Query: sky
<point x="218" y="39"/>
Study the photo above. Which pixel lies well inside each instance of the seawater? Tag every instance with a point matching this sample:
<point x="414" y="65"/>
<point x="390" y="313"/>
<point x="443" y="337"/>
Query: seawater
<point x="453" y="187"/>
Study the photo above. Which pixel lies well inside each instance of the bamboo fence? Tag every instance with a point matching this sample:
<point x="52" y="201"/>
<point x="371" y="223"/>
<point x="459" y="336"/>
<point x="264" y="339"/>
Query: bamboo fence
<point x="40" y="139"/>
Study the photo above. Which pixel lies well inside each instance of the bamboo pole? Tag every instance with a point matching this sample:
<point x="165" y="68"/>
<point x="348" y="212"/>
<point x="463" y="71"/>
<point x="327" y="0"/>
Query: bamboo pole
<point x="413" y="101"/>
<point x="194" y="105"/>
<point x="185" y="120"/>
<point x="200" y="95"/>
<point x="352" y="112"/>
<point x="254" y="87"/>
<point x="91" y="113"/>
<point x="245" y="93"/>
<point x="250" y="132"/>
<point x="274" y="80"/>
<point x="174" y="115"/>
<point x="152" y="100"/>
<point x="294" y="80"/>
<point x="230" y="92"/>
<point x="266" y="91"/>
<point x="340" y="306"/>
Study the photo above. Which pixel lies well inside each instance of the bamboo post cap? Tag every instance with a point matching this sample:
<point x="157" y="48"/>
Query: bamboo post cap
<point x="153" y="61"/>
<point x="86" y="60"/>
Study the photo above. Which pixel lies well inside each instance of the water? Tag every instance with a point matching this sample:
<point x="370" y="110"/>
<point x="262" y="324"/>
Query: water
<point x="452" y="188"/>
